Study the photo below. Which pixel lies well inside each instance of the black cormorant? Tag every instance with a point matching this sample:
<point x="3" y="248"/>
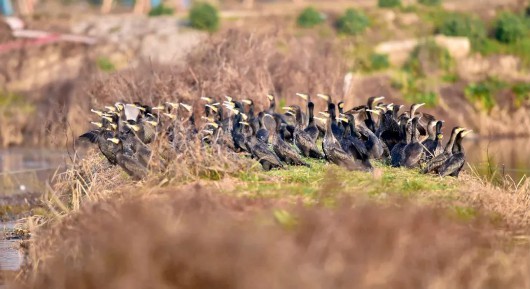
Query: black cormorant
<point x="302" y="139"/>
<point x="413" y="151"/>
<point x="453" y="165"/>
<point x="283" y="150"/>
<point x="435" y="163"/>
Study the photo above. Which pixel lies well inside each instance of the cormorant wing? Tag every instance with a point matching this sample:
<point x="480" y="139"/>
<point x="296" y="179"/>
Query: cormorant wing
<point x="92" y="136"/>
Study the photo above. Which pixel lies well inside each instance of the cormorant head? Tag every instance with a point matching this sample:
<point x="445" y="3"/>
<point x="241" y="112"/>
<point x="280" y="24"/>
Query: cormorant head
<point x="114" y="140"/>
<point x="310" y="105"/>
<point x="373" y="99"/>
<point x="268" y="122"/>
<point x="96" y="123"/>
<point x="270" y="97"/>
<point x="186" y="106"/>
<point x="341" y="105"/>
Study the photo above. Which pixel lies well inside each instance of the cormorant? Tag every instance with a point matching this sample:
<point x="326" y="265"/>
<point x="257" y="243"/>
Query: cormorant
<point x="435" y="163"/>
<point x="334" y="152"/>
<point x="453" y="165"/>
<point x="351" y="143"/>
<point x="260" y="150"/>
<point x="433" y="144"/>
<point x="100" y="136"/>
<point x="128" y="162"/>
<point x="283" y="150"/>
<point x="413" y="151"/>
<point x="369" y="122"/>
<point x="302" y="139"/>
<point x="312" y="128"/>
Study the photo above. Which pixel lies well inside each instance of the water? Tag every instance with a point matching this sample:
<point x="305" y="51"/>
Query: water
<point x="508" y="156"/>
<point x="10" y="257"/>
<point x="26" y="170"/>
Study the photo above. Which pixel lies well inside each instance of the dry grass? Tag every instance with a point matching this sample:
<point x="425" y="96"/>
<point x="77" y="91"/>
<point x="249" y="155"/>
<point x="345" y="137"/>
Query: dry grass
<point x="195" y="237"/>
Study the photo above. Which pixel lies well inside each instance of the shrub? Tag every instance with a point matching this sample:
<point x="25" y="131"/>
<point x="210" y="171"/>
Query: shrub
<point x="509" y="28"/>
<point x="430" y="2"/>
<point x="379" y="61"/>
<point x="522" y="93"/>
<point x="353" y="22"/>
<point x="161" y="10"/>
<point x="389" y="3"/>
<point x="427" y="58"/>
<point x="483" y="93"/>
<point x="309" y="18"/>
<point x="204" y="16"/>
<point x="462" y="25"/>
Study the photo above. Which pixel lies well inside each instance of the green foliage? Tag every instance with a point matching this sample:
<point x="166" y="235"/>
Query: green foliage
<point x="450" y="77"/>
<point x="161" y="10"/>
<point x="353" y="22"/>
<point x="483" y="93"/>
<point x="430" y="2"/>
<point x="522" y="93"/>
<point x="204" y="16"/>
<point x="509" y="28"/>
<point x="379" y="61"/>
<point x="428" y="58"/>
<point x="104" y="64"/>
<point x="389" y="3"/>
<point x="456" y="24"/>
<point x="309" y="17"/>
<point x="415" y="90"/>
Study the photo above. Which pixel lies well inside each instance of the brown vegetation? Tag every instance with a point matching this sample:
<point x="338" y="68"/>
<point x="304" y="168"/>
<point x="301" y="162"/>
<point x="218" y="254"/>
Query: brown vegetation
<point x="195" y="237"/>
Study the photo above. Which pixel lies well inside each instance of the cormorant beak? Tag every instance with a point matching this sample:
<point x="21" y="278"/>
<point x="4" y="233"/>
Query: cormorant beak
<point x="114" y="126"/>
<point x="373" y="111"/>
<point x="207" y="99"/>
<point x="288" y="108"/>
<point x="208" y="119"/>
<point x="323" y="96"/>
<point x="342" y="119"/>
<point x="133" y="126"/>
<point x="172" y="104"/>
<point x="229" y="104"/>
<point x="213" y="124"/>
<point x="270" y="97"/>
<point x="459" y="129"/>
<point x="216" y="104"/>
<point x="114" y="140"/>
<point x="325" y="114"/>
<point x="119" y="106"/>
<point x="440" y="136"/>
<point x="303" y="96"/>
<point x="390" y="106"/>
<point x="228" y="98"/>
<point x="186" y="106"/>
<point x="245" y="117"/>
<point x="139" y="107"/>
<point x="98" y="112"/>
<point x="171" y="116"/>
<point x="153" y="123"/>
<point x="110" y="108"/>
<point x="247" y="101"/>
<point x="160" y="107"/>
<point x="98" y="124"/>
<point x="233" y="110"/>
<point x="107" y="118"/>
<point x="466" y="131"/>
<point x="341" y="105"/>
<point x="244" y="123"/>
<point x="213" y="108"/>
<point x="379" y="98"/>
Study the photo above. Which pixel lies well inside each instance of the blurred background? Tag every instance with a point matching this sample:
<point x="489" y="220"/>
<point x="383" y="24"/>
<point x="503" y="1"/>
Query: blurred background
<point x="468" y="60"/>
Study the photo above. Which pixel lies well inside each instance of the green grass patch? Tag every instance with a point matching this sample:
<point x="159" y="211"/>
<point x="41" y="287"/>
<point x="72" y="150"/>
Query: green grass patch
<point x="104" y="64"/>
<point x="324" y="183"/>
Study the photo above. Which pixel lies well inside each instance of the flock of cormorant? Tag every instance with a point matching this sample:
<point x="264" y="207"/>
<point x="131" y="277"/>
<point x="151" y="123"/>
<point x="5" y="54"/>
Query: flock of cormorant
<point x="350" y="138"/>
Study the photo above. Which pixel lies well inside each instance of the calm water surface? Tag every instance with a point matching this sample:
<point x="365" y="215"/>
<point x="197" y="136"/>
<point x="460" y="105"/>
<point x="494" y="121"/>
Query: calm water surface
<point x="10" y="258"/>
<point x="509" y="156"/>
